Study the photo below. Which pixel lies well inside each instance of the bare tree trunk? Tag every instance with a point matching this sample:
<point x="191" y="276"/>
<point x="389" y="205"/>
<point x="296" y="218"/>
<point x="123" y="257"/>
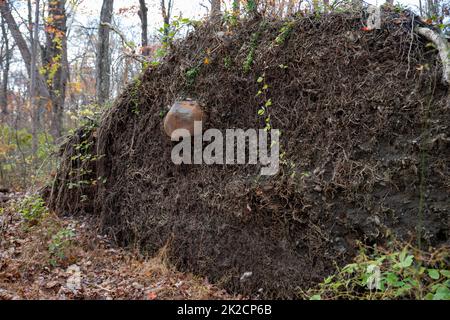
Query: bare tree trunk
<point x="103" y="63"/>
<point x="23" y="47"/>
<point x="433" y="8"/>
<point x="143" y="15"/>
<point x="34" y="104"/>
<point x="215" y="9"/>
<point x="5" y="65"/>
<point x="166" y="11"/>
<point x="56" y="62"/>
<point x="16" y="34"/>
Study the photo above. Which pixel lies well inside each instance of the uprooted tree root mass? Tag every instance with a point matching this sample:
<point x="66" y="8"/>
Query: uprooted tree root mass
<point x="364" y="118"/>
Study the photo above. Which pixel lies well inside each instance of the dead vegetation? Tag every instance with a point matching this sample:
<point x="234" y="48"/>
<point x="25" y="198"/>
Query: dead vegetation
<point x="364" y="119"/>
<point x="84" y="265"/>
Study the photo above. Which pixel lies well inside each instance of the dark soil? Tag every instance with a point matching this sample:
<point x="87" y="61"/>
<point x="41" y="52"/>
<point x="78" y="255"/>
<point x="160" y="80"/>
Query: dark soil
<point x="365" y="131"/>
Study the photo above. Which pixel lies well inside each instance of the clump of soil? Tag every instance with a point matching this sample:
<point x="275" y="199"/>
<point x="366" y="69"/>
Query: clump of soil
<point x="364" y="120"/>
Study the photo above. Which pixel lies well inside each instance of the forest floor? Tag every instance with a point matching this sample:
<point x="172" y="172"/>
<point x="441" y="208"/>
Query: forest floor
<point x="67" y="258"/>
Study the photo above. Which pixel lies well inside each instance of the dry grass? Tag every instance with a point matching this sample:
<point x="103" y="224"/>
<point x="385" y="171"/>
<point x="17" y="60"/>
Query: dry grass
<point x="28" y="272"/>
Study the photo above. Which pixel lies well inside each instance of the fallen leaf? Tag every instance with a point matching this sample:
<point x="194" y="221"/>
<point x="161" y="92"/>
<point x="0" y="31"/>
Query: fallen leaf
<point x="51" y="284"/>
<point x="152" y="296"/>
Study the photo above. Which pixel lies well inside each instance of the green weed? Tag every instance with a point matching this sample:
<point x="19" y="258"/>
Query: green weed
<point x="406" y="273"/>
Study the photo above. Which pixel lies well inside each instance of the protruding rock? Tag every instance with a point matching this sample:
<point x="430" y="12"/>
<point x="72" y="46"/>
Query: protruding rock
<point x="183" y="115"/>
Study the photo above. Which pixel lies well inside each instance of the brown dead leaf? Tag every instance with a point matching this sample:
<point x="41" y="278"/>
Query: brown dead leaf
<point x="152" y="295"/>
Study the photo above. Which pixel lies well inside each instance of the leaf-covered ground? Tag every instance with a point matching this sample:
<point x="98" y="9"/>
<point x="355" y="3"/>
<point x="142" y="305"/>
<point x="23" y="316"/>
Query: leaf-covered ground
<point x="66" y="258"/>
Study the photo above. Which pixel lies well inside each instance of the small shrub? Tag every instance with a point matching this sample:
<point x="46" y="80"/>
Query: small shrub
<point x="191" y="75"/>
<point x="405" y="273"/>
<point x="135" y="96"/>
<point x="59" y="246"/>
<point x="32" y="209"/>
<point x="254" y="42"/>
<point x="230" y="19"/>
<point x="248" y="63"/>
<point x="285" y="32"/>
<point x="251" y="6"/>
<point x="227" y="62"/>
<point x="169" y="32"/>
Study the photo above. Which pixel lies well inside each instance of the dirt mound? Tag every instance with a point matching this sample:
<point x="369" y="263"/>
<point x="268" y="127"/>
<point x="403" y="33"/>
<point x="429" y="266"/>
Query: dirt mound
<point x="364" y="120"/>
